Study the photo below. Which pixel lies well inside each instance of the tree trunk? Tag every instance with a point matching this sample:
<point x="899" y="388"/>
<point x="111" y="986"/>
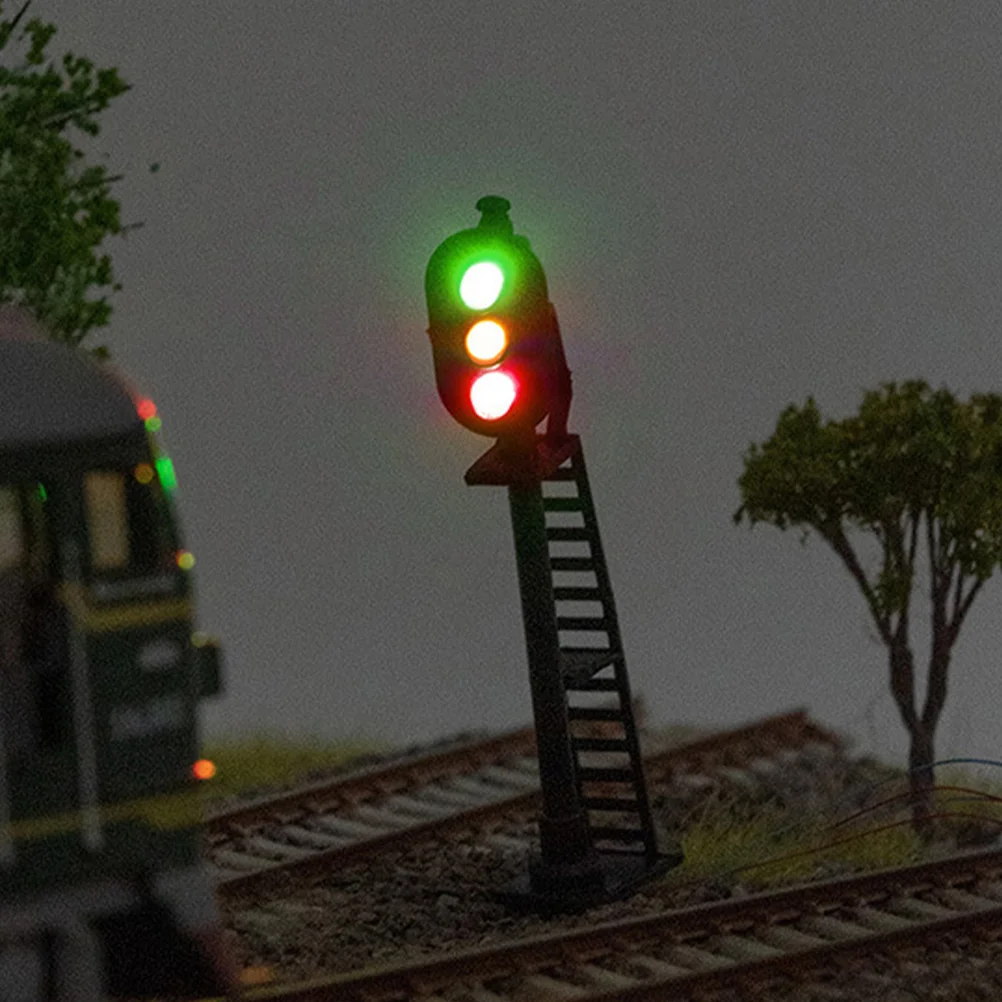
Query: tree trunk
<point x="921" y="754"/>
<point x="923" y="735"/>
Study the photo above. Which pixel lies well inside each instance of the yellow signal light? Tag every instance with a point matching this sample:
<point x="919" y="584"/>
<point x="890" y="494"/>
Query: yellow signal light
<point x="486" y="341"/>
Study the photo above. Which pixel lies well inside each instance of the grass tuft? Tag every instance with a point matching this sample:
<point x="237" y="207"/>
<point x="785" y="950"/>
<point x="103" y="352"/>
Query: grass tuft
<point x="983" y="808"/>
<point x="728" y="838"/>
<point x="261" y="761"/>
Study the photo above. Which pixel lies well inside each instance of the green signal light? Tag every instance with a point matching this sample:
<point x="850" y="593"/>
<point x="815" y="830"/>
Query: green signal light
<point x="481" y="285"/>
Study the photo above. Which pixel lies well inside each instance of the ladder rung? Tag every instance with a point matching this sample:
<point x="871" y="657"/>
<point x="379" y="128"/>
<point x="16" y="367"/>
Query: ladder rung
<point x="582" y="663"/>
<point x="572" y="564"/>
<point x="617" y="834"/>
<point x="592" y="657"/>
<point x="594" y="713"/>
<point x="586" y="593"/>
<point x="559" y="533"/>
<point x="561" y="473"/>
<point x="561" y="504"/>
<point x="610" y="804"/>
<point x="582" y="623"/>
<point x="593" y="774"/>
<point x="591" y="685"/>
<point x="600" y="744"/>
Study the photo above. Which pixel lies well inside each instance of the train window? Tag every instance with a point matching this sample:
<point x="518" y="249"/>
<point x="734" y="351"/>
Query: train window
<point x="11" y="533"/>
<point x="107" y="521"/>
<point x="126" y="524"/>
<point x="21" y="549"/>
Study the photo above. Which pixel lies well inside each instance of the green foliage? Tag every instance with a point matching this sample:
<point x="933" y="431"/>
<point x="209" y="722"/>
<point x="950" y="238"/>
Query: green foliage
<point x="913" y="465"/>
<point x="55" y="211"/>
<point x="910" y="454"/>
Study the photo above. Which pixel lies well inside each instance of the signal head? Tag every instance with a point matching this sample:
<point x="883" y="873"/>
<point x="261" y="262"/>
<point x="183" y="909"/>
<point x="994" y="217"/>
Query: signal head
<point x="491" y="325"/>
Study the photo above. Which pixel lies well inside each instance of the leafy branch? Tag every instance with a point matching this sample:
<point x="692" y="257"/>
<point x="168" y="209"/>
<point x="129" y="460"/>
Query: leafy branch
<point x="55" y="211"/>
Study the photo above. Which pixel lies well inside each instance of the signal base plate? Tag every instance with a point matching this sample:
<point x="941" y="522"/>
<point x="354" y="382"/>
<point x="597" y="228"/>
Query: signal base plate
<point x="502" y="466"/>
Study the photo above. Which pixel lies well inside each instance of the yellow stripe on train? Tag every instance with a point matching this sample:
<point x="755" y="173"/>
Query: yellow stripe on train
<point x="142" y="614"/>
<point x="172" y="810"/>
<point x="90" y="619"/>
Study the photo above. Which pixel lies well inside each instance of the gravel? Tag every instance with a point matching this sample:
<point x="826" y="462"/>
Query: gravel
<point x="440" y="896"/>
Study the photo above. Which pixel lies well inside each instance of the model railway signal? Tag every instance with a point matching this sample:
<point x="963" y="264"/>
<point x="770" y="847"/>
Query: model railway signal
<point x="499" y="362"/>
<point x="500" y="369"/>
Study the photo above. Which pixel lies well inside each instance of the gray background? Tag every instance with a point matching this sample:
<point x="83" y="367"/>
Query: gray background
<point x="737" y="204"/>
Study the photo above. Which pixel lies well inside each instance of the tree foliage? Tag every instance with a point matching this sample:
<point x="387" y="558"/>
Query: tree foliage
<point x="55" y="210"/>
<point x="921" y="473"/>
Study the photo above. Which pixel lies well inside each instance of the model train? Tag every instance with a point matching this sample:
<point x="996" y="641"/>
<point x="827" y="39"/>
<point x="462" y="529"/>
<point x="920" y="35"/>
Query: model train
<point x="101" y="890"/>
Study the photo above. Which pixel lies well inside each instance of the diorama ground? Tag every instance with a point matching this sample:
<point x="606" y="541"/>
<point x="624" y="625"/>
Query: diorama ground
<point x="821" y="816"/>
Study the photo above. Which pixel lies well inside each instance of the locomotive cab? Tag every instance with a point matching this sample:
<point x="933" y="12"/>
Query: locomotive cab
<point x="100" y="671"/>
<point x="49" y="582"/>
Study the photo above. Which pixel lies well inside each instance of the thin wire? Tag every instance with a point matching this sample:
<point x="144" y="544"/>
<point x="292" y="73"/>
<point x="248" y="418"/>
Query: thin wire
<point x="977" y="795"/>
<point x="936" y="815"/>
<point x="922" y="768"/>
<point x="940" y="815"/>
<point x="790" y="826"/>
<point x="830" y="845"/>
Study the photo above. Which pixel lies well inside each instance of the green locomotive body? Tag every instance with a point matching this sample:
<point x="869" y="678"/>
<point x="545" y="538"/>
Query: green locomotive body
<point x="100" y="671"/>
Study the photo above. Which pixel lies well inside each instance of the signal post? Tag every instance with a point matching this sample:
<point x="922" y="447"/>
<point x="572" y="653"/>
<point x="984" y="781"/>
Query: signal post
<point x="500" y="370"/>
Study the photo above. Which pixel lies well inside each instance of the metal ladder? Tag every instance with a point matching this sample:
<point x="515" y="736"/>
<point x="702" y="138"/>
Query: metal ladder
<point x="593" y="664"/>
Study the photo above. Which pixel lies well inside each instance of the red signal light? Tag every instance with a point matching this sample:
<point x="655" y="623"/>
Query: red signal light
<point x="493" y="394"/>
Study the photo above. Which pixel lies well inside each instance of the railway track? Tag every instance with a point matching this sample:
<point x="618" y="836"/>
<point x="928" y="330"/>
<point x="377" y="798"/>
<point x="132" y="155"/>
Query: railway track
<point x="331" y="824"/>
<point x="793" y="935"/>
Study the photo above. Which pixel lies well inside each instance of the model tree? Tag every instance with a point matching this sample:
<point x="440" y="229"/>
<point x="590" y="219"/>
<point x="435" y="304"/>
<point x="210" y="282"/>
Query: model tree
<point x="55" y="210"/>
<point x="911" y="484"/>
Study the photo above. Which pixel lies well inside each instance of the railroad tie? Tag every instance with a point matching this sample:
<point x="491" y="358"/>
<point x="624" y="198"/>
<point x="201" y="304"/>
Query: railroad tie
<point x="990" y="889"/>
<point x="743" y="779"/>
<point x="655" y="967"/>
<point x="744" y="948"/>
<point x="764" y="768"/>
<point x="506" y="843"/>
<point x="543" y="988"/>
<point x="440" y="794"/>
<point x="920" y="909"/>
<point x="370" y="814"/>
<point x="510" y="777"/>
<point x="476" y="787"/>
<point x="788" y="938"/>
<point x="601" y="977"/>
<point x="526" y="763"/>
<point x="229" y="859"/>
<point x="275" y="850"/>
<point x="964" y="901"/>
<point x="881" y="921"/>
<point x="420" y="808"/>
<point x="354" y="830"/>
<point x="833" y="928"/>
<point x="477" y="993"/>
<point x="313" y="839"/>
<point x="696" y="959"/>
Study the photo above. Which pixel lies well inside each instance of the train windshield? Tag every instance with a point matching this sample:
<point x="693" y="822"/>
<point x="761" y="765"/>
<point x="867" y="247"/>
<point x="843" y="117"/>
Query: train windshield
<point x="31" y="709"/>
<point x="24" y="533"/>
<point x="128" y="527"/>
